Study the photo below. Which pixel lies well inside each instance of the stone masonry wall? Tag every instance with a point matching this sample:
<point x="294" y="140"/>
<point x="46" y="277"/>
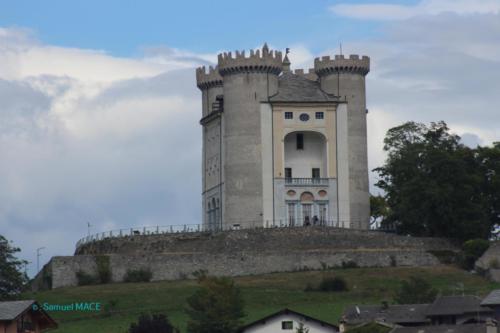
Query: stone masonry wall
<point x="246" y="252"/>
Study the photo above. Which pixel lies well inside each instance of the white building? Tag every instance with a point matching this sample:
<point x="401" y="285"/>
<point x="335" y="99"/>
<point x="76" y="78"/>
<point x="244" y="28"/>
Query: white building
<point x="287" y="321"/>
<point x="283" y="147"/>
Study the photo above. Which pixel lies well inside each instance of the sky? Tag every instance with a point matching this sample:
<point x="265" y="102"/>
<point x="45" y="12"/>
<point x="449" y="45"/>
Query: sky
<point x="99" y="108"/>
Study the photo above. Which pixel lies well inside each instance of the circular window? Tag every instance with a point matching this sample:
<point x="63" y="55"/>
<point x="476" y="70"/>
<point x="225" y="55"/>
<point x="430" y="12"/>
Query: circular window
<point x="304" y="117"/>
<point x="291" y="193"/>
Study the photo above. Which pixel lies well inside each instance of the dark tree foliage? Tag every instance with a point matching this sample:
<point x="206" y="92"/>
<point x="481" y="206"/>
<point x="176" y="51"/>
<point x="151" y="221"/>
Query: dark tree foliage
<point x="12" y="279"/>
<point x="435" y="186"/>
<point x="152" y="324"/>
<point x="379" y="209"/>
<point x="415" y="291"/>
<point x="217" y="307"/>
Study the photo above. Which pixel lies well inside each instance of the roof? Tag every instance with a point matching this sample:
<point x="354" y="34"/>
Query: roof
<point x="11" y="310"/>
<point x="493" y="298"/>
<point x="469" y="328"/>
<point x="398" y="314"/>
<point x="455" y="305"/>
<point x="284" y="312"/>
<point x="296" y="88"/>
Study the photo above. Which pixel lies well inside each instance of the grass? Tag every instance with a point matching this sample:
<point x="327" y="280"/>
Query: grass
<point x="263" y="295"/>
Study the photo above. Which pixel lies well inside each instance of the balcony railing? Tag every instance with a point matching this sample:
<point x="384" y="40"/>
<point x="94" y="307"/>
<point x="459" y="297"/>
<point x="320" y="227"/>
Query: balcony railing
<point x="306" y="181"/>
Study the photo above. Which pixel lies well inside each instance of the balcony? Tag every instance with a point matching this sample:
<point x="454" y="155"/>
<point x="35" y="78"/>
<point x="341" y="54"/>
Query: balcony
<point x="306" y="181"/>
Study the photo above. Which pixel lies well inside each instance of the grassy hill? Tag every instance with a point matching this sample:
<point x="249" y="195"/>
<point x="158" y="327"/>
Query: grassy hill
<point x="263" y="295"/>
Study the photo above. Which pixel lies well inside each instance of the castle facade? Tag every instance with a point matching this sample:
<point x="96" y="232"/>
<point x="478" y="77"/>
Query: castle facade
<point x="281" y="147"/>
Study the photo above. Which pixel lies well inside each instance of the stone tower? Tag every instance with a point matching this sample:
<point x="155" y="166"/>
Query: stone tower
<point x="346" y="78"/>
<point x="283" y="148"/>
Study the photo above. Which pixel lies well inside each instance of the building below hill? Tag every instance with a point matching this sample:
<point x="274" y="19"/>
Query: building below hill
<point x="283" y="147"/>
<point x="24" y="317"/>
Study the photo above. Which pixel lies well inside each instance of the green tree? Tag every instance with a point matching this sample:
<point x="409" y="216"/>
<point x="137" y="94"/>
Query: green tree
<point x="152" y="324"/>
<point x="379" y="209"/>
<point x="415" y="291"/>
<point x="435" y="186"/>
<point x="217" y="307"/>
<point x="12" y="279"/>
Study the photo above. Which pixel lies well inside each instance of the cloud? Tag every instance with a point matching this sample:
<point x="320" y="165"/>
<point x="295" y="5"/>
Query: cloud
<point x="384" y="11"/>
<point x="88" y="137"/>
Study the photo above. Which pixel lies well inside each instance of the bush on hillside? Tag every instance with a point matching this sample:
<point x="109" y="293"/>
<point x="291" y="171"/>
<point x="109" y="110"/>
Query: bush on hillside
<point x="85" y="279"/>
<point x="415" y="291"/>
<point x="138" y="275"/>
<point x="473" y="249"/>
<point x="152" y="324"/>
<point x="333" y="284"/>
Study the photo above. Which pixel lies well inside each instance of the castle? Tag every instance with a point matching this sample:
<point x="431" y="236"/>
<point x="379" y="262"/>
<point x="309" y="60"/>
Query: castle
<point x="282" y="147"/>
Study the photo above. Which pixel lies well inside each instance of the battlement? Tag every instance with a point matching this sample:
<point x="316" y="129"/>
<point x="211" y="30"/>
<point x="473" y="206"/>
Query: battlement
<point x="205" y="80"/>
<point x="310" y="74"/>
<point x="265" y="62"/>
<point x="354" y="64"/>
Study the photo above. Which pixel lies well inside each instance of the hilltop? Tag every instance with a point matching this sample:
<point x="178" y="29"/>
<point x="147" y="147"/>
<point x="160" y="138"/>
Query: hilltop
<point x="263" y="294"/>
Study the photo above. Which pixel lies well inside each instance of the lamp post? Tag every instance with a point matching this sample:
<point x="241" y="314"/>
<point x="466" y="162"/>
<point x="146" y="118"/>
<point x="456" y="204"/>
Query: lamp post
<point x="38" y="254"/>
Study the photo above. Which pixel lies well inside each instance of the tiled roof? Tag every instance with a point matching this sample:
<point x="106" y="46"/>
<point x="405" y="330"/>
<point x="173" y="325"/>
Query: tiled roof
<point x="455" y="305"/>
<point x="296" y="88"/>
<point x="398" y="314"/>
<point x="469" y="328"/>
<point x="493" y="298"/>
<point x="10" y="310"/>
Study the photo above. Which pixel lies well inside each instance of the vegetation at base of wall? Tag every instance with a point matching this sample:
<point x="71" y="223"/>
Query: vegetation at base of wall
<point x="436" y="186"/>
<point x="447" y="257"/>
<point x="155" y="323"/>
<point x="494" y="263"/>
<point x="138" y="275"/>
<point x="85" y="279"/>
<point x="349" y="264"/>
<point x="263" y="295"/>
<point x="329" y="284"/>
<point x="415" y="290"/>
<point x="46" y="279"/>
<point x="472" y="250"/>
<point x="103" y="268"/>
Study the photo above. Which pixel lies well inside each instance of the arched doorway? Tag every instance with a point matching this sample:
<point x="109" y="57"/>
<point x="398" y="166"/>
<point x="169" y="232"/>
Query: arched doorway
<point x="306" y="202"/>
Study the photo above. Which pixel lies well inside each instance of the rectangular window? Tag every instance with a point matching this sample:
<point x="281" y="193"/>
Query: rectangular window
<point x="320" y="115"/>
<point x="291" y="214"/>
<point x="287" y="325"/>
<point x="288" y="115"/>
<point x="288" y="172"/>
<point x="300" y="141"/>
<point x="315" y="172"/>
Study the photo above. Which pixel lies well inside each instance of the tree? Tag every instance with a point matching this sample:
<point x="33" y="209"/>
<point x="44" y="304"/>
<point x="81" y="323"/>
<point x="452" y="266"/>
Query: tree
<point x="12" y="279"/>
<point x="152" y="324"/>
<point x="378" y="209"/>
<point x="415" y="291"/>
<point x="217" y="307"/>
<point x="436" y="186"/>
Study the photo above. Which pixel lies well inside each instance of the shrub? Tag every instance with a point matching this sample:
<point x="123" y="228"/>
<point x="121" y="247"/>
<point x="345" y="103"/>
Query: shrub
<point x="473" y="249"/>
<point x="85" y="279"/>
<point x="349" y="264"/>
<point x="138" y="275"/>
<point x="103" y="269"/>
<point x="152" y="324"/>
<point x="494" y="264"/>
<point x="333" y="284"/>
<point x="415" y="291"/>
<point x="394" y="262"/>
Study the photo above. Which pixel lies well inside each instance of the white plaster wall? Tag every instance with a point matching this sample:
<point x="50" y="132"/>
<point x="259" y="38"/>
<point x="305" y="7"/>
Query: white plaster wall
<point x="312" y="156"/>
<point x="273" y="325"/>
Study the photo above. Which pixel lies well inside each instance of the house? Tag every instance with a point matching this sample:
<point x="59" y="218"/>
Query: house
<point x="287" y="321"/>
<point x="24" y="317"/>
<point x="467" y="328"/>
<point x="445" y="310"/>
<point x="492" y="301"/>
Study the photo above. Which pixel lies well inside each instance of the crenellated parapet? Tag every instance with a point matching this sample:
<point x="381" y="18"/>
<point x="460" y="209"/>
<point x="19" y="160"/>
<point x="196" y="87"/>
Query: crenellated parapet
<point x="210" y="79"/>
<point x="353" y="64"/>
<point x="310" y="74"/>
<point x="258" y="62"/>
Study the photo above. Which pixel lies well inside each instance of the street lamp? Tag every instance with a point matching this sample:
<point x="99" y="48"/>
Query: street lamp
<point x="38" y="254"/>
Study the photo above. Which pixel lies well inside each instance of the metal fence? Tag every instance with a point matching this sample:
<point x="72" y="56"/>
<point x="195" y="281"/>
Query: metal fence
<point x="237" y="225"/>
